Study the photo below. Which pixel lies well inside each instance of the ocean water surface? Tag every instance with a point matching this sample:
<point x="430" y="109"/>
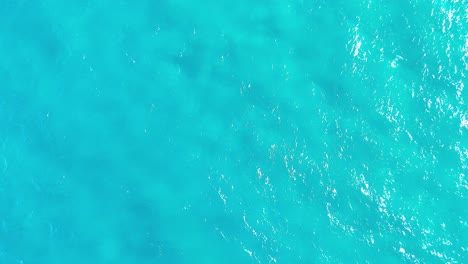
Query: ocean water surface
<point x="283" y="131"/>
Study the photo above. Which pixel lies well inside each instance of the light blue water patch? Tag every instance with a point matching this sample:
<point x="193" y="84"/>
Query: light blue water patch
<point x="243" y="132"/>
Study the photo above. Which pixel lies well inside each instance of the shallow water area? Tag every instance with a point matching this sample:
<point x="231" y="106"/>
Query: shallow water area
<point x="243" y="132"/>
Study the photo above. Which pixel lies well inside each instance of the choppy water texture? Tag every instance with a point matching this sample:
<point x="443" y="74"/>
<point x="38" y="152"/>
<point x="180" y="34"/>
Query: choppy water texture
<point x="233" y="131"/>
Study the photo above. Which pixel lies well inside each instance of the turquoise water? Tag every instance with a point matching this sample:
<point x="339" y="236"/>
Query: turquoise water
<point x="233" y="131"/>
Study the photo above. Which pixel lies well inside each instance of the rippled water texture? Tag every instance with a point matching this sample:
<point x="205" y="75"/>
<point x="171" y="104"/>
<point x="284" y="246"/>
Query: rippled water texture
<point x="233" y="131"/>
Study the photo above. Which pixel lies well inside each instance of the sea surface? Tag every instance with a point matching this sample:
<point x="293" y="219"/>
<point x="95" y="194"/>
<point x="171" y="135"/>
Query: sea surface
<point x="249" y="131"/>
